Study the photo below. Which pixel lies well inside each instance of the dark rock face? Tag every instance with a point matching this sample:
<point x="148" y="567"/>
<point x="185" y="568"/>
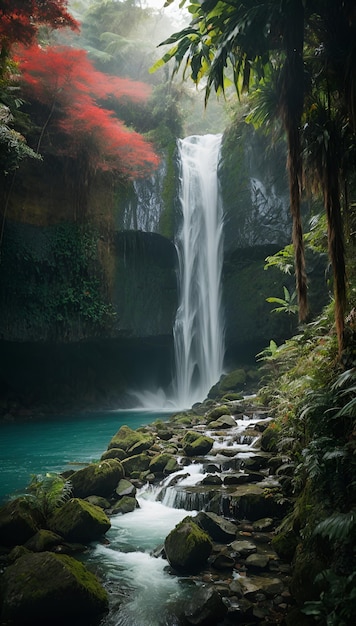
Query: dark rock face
<point x="51" y="589"/>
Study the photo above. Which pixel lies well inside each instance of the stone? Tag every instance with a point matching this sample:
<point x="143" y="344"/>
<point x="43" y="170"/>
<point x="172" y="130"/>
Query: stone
<point x="269" y="439"/>
<point x="97" y="479"/>
<point x="217" y="412"/>
<point x="252" y="587"/>
<point x="205" y="607"/>
<point x="125" y="438"/>
<point x="45" y="588"/>
<point x="127" y="504"/>
<point x="125" y="488"/>
<point x="103" y="503"/>
<point x="264" y="524"/>
<point x="79" y="521"/>
<point x="136" y="464"/>
<point x="195" y="444"/>
<point x="159" y="464"/>
<point x="236" y="479"/>
<point x="114" y="453"/>
<point x="211" y="479"/>
<point x="222" y="561"/>
<point x="257" y="561"/>
<point x="187" y="547"/>
<point x="219" y="528"/>
<point x="244" y="547"/>
<point x="43" y="540"/>
<point x="18" y="522"/>
<point x="225" y="421"/>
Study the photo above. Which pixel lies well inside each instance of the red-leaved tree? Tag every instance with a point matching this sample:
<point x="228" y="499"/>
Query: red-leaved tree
<point x="64" y="82"/>
<point x="21" y="19"/>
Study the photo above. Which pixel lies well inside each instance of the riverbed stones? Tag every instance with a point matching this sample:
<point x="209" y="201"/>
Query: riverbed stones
<point x="45" y="588"/>
<point x="126" y="438"/>
<point x="79" y="521"/>
<point x="187" y="547"/>
<point x="126" y="504"/>
<point x="114" y="453"/>
<point x="135" y="465"/>
<point x="163" y="464"/>
<point x="244" y="547"/>
<point x="97" y="479"/>
<point x="125" y="488"/>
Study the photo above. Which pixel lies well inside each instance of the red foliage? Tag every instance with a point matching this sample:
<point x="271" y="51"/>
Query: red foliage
<point x="64" y="79"/>
<point x="21" y="19"/>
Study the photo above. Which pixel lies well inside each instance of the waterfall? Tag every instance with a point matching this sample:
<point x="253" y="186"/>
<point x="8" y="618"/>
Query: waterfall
<point x="198" y="329"/>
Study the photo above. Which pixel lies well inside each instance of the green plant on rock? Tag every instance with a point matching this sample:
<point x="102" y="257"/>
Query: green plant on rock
<point x="288" y="304"/>
<point x="48" y="492"/>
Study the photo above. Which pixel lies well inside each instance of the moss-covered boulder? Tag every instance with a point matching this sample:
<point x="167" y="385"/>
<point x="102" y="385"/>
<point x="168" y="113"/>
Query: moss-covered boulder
<point x="126" y="438"/>
<point x="217" y="527"/>
<point x="78" y="520"/>
<point x="187" y="547"/>
<point x="269" y="439"/>
<point x="18" y="522"/>
<point x="97" y="479"/>
<point x="205" y="607"/>
<point x="233" y="381"/>
<point x="217" y="412"/>
<point x="223" y="422"/>
<point x="163" y="464"/>
<point x="196" y="444"/>
<point x="136" y="464"/>
<point x="114" y="453"/>
<point x="44" y="540"/>
<point x="125" y="488"/>
<point x="127" y="504"/>
<point x="46" y="588"/>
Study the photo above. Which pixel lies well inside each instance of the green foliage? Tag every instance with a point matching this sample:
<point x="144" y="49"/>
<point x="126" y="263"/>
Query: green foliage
<point x="57" y="283"/>
<point x="288" y="304"/>
<point x="337" y="604"/>
<point x="49" y="492"/>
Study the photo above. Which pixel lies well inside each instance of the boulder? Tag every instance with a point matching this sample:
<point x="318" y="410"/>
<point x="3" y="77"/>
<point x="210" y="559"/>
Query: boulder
<point x="18" y="522"/>
<point x="225" y="421"/>
<point x="97" y="479"/>
<point x="195" y="444"/>
<point x="125" y="438"/>
<point x="103" y="503"/>
<point x="114" y="453"/>
<point x="79" y="521"/>
<point x="136" y="464"/>
<point x="45" y="588"/>
<point x="205" y="607"/>
<point x="218" y="528"/>
<point x="243" y="547"/>
<point x="158" y="465"/>
<point x="187" y="547"/>
<point x="43" y="540"/>
<point x="127" y="504"/>
<point x="217" y="412"/>
<point x="125" y="488"/>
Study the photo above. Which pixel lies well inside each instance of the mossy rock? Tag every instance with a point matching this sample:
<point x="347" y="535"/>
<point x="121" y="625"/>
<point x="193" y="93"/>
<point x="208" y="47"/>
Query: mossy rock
<point x="114" y="453"/>
<point x="19" y="521"/>
<point x="136" y="464"/>
<point x="196" y="444"/>
<point x="223" y="422"/>
<point x="269" y="439"/>
<point x="217" y="412"/>
<point x="285" y="544"/>
<point x="233" y="381"/>
<point x="163" y="462"/>
<point x="126" y="504"/>
<point x="187" y="547"/>
<point x="217" y="527"/>
<point x="43" y="541"/>
<point x="140" y="446"/>
<point x="306" y="567"/>
<point x="103" y="503"/>
<point x="126" y="438"/>
<point x="79" y="521"/>
<point x="97" y="479"/>
<point x="125" y="488"/>
<point x="46" y="588"/>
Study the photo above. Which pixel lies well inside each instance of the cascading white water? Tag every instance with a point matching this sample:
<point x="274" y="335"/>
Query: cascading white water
<point x="198" y="330"/>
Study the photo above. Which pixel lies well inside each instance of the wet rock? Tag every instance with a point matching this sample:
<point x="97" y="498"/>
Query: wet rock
<point x="187" y="547"/>
<point x="97" y="479"/>
<point x="196" y="444"/>
<point x="43" y="540"/>
<point x="264" y="524"/>
<point x="252" y="587"/>
<point x="218" y="411"/>
<point x="223" y="422"/>
<point x="78" y="520"/>
<point x="236" y="479"/>
<point x="211" y="479"/>
<point x="103" y="503"/>
<point x="45" y="588"/>
<point x="126" y="438"/>
<point x="18" y="522"/>
<point x="125" y="488"/>
<point x="163" y="464"/>
<point x="136" y="464"/>
<point x="244" y="547"/>
<point x="127" y="504"/>
<point x="222" y="561"/>
<point x="219" y="528"/>
<point x="206" y="607"/>
<point x="114" y="453"/>
<point x="257" y="561"/>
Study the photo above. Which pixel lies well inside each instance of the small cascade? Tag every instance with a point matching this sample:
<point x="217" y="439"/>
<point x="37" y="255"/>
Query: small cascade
<point x="144" y="209"/>
<point x="198" y="330"/>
